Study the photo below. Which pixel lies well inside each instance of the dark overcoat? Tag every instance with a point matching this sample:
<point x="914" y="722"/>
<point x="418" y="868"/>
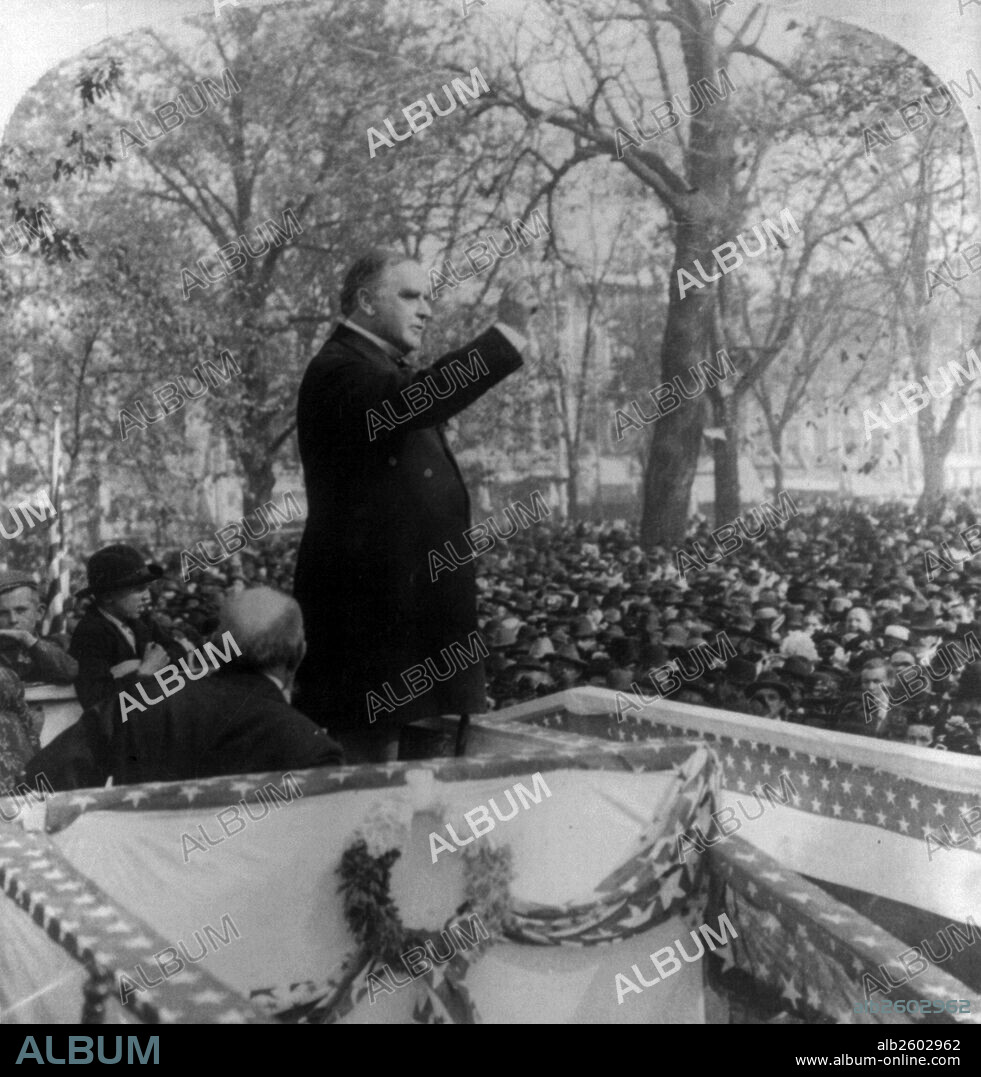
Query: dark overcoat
<point x="233" y="722"/>
<point x="384" y="491"/>
<point x="97" y="645"/>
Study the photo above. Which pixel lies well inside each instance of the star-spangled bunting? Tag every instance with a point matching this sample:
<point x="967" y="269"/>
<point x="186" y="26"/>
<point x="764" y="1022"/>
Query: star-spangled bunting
<point x="99" y="933"/>
<point x="652" y="886"/>
<point x="827" y="787"/>
<point x="808" y="948"/>
<point x="788" y="917"/>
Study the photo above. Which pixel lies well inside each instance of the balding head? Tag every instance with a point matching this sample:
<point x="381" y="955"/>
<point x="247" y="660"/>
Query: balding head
<point x="365" y="274"/>
<point x="386" y="294"/>
<point x="267" y="626"/>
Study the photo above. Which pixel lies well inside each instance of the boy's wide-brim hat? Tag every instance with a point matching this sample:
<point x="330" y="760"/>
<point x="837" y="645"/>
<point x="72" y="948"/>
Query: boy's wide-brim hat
<point x="115" y="568"/>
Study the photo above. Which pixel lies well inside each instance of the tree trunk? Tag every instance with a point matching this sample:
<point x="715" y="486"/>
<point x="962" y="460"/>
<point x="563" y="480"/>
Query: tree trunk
<point x="572" y="488"/>
<point x="935" y="446"/>
<point x="933" y="468"/>
<point x="677" y="437"/>
<point x="776" y="444"/>
<point x="701" y="218"/>
<point x="259" y="479"/>
<point x="726" y="453"/>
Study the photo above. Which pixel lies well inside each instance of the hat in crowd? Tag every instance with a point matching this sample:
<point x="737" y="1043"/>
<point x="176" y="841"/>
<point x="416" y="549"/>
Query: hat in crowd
<point x="764" y="638"/>
<point x="824" y="673"/>
<point x="675" y="635"/>
<point x="770" y="682"/>
<point x="599" y="664"/>
<point x="897" y="631"/>
<point x="541" y="647"/>
<point x="585" y="629"/>
<point x="526" y="662"/>
<point x="741" y="626"/>
<point x="619" y="680"/>
<point x="498" y="662"/>
<point x="969" y="685"/>
<point x="801" y="594"/>
<point x="957" y="736"/>
<point x="115" y="568"/>
<point x="799" y="668"/>
<point x="567" y="653"/>
<point x="741" y="671"/>
<point x="500" y="635"/>
<point x="12" y="581"/>
<point x="858" y="658"/>
<point x="520" y="604"/>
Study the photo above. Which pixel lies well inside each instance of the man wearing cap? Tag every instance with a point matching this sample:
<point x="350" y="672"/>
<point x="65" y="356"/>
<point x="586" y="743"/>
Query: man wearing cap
<point x="894" y="637"/>
<point x="385" y="492"/>
<point x="117" y="642"/>
<point x="21" y="649"/>
<point x="566" y="666"/>
<point x="770" y="697"/>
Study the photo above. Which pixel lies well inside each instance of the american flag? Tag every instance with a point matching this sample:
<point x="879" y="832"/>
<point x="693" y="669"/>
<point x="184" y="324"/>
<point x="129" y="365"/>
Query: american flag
<point x="57" y="567"/>
<point x="874" y="816"/>
<point x="815" y="957"/>
<point x="889" y="831"/>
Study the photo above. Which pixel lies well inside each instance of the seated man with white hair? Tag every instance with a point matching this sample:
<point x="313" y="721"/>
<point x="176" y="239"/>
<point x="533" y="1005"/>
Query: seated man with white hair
<point x="238" y="720"/>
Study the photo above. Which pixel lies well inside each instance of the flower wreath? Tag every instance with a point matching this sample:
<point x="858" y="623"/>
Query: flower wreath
<point x="375" y="921"/>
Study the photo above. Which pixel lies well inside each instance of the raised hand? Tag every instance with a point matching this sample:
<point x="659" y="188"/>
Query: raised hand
<point x="517" y="304"/>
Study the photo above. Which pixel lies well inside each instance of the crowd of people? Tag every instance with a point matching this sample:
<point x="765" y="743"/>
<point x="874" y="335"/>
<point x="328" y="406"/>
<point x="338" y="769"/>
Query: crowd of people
<point x="843" y="618"/>
<point x="837" y="619"/>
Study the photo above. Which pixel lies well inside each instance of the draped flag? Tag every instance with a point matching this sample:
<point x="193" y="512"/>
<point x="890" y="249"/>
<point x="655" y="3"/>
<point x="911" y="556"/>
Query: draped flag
<point x="632" y="801"/>
<point x="887" y="820"/>
<point x="891" y="831"/>
<point x="56" y="573"/>
<point x="817" y="958"/>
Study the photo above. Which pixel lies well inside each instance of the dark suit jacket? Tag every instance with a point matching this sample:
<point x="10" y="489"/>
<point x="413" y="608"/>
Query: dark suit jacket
<point x="98" y="645"/>
<point x="47" y="661"/>
<point x="377" y="506"/>
<point x="232" y="722"/>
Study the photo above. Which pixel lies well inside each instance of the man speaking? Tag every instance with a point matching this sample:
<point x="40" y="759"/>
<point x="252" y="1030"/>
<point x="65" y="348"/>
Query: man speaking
<point x="386" y="644"/>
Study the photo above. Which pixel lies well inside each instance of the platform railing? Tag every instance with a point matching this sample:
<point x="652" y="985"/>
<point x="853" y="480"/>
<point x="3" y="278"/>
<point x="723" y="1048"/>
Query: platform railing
<point x="59" y="705"/>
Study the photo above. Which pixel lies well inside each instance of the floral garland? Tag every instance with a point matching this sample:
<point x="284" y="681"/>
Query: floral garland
<point x="375" y="921"/>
